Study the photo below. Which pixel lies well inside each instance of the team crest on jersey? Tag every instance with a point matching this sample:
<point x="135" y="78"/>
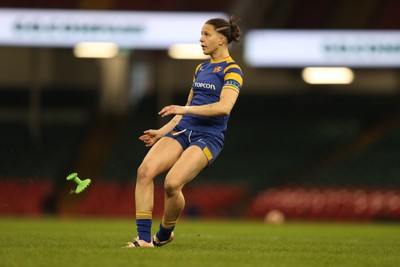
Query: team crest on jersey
<point x="217" y="69"/>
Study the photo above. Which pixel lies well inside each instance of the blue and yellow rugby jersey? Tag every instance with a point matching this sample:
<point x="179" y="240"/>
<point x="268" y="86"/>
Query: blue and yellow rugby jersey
<point x="210" y="78"/>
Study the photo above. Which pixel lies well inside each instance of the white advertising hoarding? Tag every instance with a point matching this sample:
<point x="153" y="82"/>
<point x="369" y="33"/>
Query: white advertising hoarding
<point x="128" y="29"/>
<point x="303" y="48"/>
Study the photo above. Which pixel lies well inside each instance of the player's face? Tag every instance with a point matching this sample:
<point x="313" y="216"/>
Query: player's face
<point x="210" y="39"/>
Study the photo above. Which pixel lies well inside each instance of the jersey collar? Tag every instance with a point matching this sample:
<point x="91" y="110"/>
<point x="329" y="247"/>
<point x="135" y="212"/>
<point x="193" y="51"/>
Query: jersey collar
<point x="221" y="60"/>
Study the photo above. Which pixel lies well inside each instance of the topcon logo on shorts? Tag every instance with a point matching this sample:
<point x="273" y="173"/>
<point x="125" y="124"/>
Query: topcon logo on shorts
<point x="204" y="85"/>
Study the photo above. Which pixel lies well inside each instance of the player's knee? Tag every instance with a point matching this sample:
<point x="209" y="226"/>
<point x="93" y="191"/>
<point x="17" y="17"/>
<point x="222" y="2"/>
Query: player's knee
<point x="172" y="188"/>
<point x="146" y="173"/>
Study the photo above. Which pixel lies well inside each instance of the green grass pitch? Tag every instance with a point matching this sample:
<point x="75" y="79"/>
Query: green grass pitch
<point x="98" y="242"/>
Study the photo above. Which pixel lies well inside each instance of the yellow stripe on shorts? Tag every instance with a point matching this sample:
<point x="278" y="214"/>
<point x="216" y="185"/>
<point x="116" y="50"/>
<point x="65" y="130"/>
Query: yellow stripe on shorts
<point x="208" y="154"/>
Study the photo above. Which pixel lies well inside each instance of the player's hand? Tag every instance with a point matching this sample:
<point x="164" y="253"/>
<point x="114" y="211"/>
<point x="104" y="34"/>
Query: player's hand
<point x="173" y="110"/>
<point x="150" y="137"/>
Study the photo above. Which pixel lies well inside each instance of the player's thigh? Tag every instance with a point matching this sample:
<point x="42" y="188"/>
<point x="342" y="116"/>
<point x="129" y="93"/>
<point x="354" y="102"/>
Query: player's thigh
<point x="189" y="165"/>
<point x="162" y="156"/>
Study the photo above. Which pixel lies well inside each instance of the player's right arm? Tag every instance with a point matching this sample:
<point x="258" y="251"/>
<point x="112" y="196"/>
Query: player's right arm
<point x="151" y="136"/>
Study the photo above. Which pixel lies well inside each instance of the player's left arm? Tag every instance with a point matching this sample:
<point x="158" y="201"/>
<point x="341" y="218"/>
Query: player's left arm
<point x="221" y="108"/>
<point x="229" y="94"/>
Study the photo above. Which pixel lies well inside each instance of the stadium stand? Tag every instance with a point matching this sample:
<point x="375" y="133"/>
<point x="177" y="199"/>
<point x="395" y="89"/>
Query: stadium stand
<point x="317" y="141"/>
<point x="27" y="197"/>
<point x="337" y="204"/>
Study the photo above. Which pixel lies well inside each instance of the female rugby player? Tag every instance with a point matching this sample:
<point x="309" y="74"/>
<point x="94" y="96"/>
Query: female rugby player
<point x="193" y="138"/>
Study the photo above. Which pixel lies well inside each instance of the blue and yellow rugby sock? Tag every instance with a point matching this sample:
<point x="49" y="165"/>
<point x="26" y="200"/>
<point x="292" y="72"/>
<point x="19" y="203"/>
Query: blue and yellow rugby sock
<point x="166" y="228"/>
<point x="143" y="223"/>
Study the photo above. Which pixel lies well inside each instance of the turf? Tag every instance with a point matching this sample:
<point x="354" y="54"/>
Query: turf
<point x="98" y="242"/>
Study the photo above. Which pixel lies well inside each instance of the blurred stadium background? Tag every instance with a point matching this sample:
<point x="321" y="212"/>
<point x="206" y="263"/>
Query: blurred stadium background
<point x="314" y="152"/>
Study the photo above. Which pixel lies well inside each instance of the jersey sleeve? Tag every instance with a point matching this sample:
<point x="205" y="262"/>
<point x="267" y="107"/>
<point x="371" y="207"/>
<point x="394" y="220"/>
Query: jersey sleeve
<point x="233" y="78"/>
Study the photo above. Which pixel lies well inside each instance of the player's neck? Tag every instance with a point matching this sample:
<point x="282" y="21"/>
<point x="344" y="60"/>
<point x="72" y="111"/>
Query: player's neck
<point x="220" y="54"/>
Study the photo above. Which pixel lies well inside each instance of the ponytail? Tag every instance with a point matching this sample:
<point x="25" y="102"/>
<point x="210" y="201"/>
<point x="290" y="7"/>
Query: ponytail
<point x="235" y="30"/>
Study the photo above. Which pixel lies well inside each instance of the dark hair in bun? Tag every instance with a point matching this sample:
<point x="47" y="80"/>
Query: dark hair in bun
<point x="230" y="29"/>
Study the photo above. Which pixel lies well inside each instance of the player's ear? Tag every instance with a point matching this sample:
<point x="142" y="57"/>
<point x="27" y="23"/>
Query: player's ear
<point x="221" y="40"/>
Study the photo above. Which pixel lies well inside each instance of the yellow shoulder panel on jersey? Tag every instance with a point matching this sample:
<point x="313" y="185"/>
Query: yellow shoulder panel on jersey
<point x="234" y="76"/>
<point x="233" y="66"/>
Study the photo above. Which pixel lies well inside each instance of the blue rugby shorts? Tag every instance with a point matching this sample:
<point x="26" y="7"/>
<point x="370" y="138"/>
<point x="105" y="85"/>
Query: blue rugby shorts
<point x="210" y="144"/>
